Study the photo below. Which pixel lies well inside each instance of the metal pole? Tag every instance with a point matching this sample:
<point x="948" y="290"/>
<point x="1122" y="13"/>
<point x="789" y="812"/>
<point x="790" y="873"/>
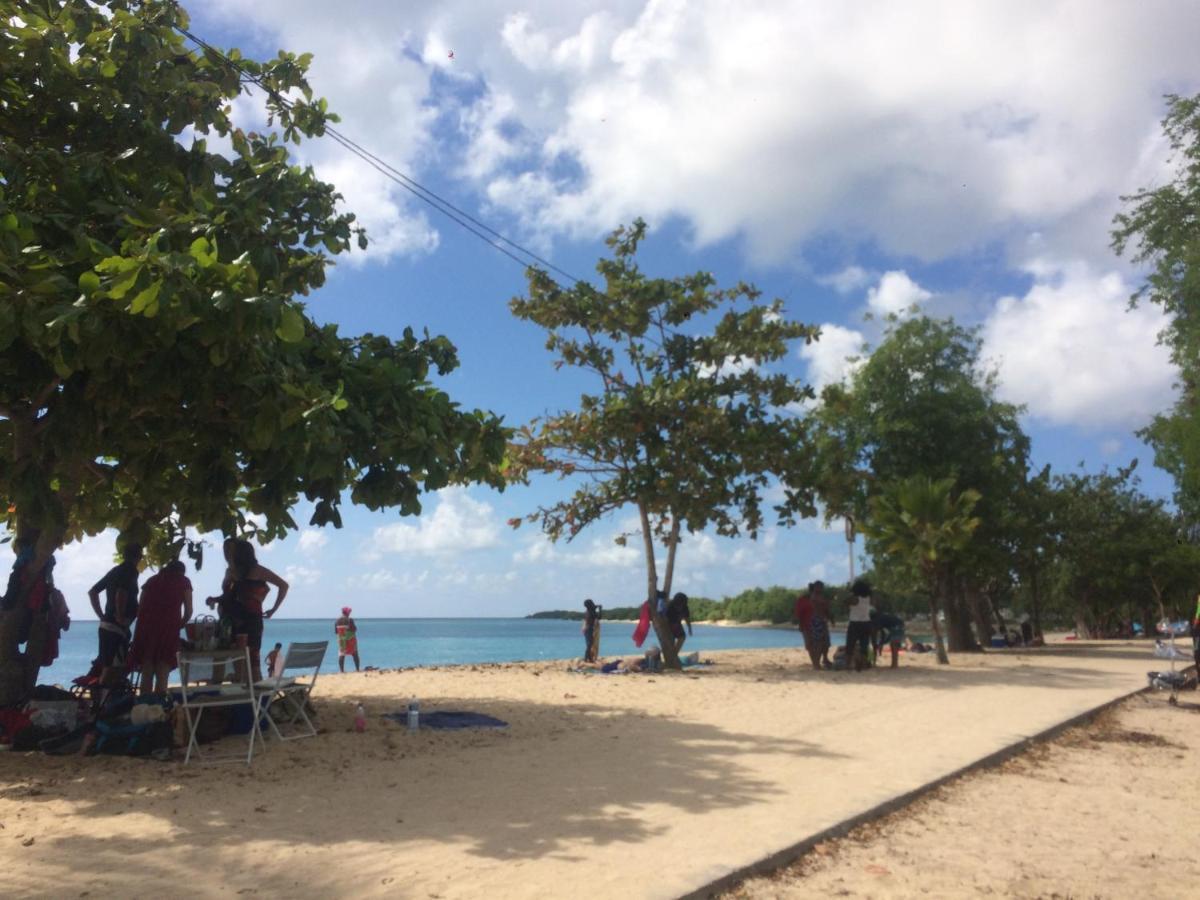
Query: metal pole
<point x="850" y="545"/>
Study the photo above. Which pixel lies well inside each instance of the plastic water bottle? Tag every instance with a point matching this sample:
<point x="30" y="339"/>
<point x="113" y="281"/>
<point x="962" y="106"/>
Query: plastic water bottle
<point x="360" y="719"/>
<point x="414" y="714"/>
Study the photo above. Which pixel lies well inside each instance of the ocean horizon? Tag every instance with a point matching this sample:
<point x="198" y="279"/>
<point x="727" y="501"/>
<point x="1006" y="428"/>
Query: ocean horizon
<point x="389" y="643"/>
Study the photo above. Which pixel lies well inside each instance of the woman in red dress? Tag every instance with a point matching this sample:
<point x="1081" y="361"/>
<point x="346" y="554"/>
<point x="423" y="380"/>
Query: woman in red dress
<point x="166" y="604"/>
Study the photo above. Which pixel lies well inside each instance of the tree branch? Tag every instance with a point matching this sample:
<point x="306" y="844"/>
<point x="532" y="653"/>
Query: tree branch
<point x="44" y="397"/>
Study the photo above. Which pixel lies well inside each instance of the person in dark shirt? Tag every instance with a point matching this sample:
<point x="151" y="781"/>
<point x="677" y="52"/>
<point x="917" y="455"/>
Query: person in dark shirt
<point x="120" y="587"/>
<point x="677" y="614"/>
<point x="591" y="620"/>
<point x="888" y="629"/>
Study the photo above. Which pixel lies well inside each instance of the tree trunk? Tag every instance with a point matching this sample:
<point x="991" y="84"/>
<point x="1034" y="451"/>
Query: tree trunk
<point x="981" y="611"/>
<point x="672" y="543"/>
<point x="934" y="589"/>
<point x="661" y="629"/>
<point x="958" y="622"/>
<point x="1037" y="601"/>
<point x="1085" y="622"/>
<point x="995" y="608"/>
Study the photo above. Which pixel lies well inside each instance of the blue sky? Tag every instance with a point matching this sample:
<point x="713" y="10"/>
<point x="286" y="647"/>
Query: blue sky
<point x="848" y="158"/>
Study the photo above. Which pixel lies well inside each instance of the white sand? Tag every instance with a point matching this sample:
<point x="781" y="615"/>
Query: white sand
<point x="1107" y="810"/>
<point x="610" y="786"/>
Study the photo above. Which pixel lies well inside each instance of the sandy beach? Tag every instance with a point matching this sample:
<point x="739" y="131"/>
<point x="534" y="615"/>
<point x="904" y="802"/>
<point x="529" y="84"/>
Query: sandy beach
<point x="614" y="786"/>
<point x="1102" y="811"/>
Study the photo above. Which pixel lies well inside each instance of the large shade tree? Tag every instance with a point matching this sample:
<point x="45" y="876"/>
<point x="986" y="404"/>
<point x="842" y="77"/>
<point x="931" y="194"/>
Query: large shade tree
<point x="691" y="420"/>
<point x="923" y="404"/>
<point x="1160" y="227"/>
<point x="158" y="369"/>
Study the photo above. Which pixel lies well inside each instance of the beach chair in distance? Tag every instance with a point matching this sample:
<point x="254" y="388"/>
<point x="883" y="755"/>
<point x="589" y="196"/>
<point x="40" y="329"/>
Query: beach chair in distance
<point x="196" y="670"/>
<point x="292" y="691"/>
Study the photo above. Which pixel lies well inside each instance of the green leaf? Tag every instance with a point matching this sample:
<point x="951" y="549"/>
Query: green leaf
<point x="122" y="285"/>
<point x="9" y="222"/>
<point x="146" y="298"/>
<point x="89" y="282"/>
<point x="203" y="251"/>
<point x="291" y="326"/>
<point x="108" y="69"/>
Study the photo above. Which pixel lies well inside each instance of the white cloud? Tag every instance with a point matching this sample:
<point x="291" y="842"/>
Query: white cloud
<point x="1074" y="354"/>
<point x="312" y="540"/>
<point x="538" y="550"/>
<point x="605" y="553"/>
<point x="730" y="367"/>
<point x="295" y="575"/>
<point x="895" y="294"/>
<point x="378" y="580"/>
<point x="458" y="524"/>
<point x="847" y="281"/>
<point x="1110" y="447"/>
<point x="829" y="358"/>
<point x="673" y="109"/>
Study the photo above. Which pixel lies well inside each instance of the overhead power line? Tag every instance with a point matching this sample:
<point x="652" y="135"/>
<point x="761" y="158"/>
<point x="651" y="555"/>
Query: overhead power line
<point x="459" y="216"/>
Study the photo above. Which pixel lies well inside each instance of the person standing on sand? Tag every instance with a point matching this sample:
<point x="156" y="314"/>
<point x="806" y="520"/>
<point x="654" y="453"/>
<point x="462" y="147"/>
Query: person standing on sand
<point x="252" y="583"/>
<point x="821" y="622"/>
<point x="347" y="638"/>
<point x="677" y="614"/>
<point x="166" y="605"/>
<point x="858" y="629"/>
<point x="805" y="611"/>
<point x="888" y="629"/>
<point x="120" y="586"/>
<point x="591" y="620"/>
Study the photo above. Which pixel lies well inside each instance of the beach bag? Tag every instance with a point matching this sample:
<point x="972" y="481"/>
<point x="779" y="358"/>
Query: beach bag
<point x="202" y="632"/>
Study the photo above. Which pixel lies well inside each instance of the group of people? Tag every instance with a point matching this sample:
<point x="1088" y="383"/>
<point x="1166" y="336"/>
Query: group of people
<point x="867" y="628"/>
<point x="675" y="611"/>
<point x="140" y="629"/>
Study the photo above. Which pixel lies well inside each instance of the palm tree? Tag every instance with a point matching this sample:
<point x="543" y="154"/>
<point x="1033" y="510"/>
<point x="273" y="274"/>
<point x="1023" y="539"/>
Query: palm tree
<point x="924" y="523"/>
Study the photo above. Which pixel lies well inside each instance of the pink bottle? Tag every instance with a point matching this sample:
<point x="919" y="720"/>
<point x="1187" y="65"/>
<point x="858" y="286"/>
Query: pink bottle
<point x="360" y="719"/>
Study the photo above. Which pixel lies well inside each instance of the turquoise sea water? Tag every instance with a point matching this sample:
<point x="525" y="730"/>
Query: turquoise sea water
<point x="390" y="643"/>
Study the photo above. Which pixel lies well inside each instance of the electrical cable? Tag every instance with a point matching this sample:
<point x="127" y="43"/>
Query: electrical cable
<point x="459" y="216"/>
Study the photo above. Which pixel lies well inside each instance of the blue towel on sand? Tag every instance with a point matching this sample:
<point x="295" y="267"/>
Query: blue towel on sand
<point x="450" y="721"/>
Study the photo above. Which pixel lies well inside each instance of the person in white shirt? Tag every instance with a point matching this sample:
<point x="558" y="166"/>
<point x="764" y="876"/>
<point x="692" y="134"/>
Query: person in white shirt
<point x="858" y="629"/>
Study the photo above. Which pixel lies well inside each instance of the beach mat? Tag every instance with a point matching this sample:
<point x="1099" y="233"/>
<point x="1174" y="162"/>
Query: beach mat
<point x="450" y="721"/>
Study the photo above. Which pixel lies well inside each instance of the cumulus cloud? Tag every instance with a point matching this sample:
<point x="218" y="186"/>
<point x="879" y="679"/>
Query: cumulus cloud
<point x="605" y="553"/>
<point x="378" y="580"/>
<point x="312" y="540"/>
<point x="458" y="524"/>
<point x="907" y="127"/>
<point x="896" y="294"/>
<point x="1073" y="353"/>
<point x="848" y="280"/>
<point x="833" y="357"/>
<point x="296" y="575"/>
<point x="538" y="550"/>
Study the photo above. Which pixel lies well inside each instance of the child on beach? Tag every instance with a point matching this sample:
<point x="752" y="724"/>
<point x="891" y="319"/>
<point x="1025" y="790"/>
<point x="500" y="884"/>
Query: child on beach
<point x="273" y="659"/>
<point x="347" y="638"/>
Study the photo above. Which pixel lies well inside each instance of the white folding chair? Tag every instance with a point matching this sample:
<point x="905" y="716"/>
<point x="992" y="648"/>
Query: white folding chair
<point x="292" y="691"/>
<point x="196" y="672"/>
